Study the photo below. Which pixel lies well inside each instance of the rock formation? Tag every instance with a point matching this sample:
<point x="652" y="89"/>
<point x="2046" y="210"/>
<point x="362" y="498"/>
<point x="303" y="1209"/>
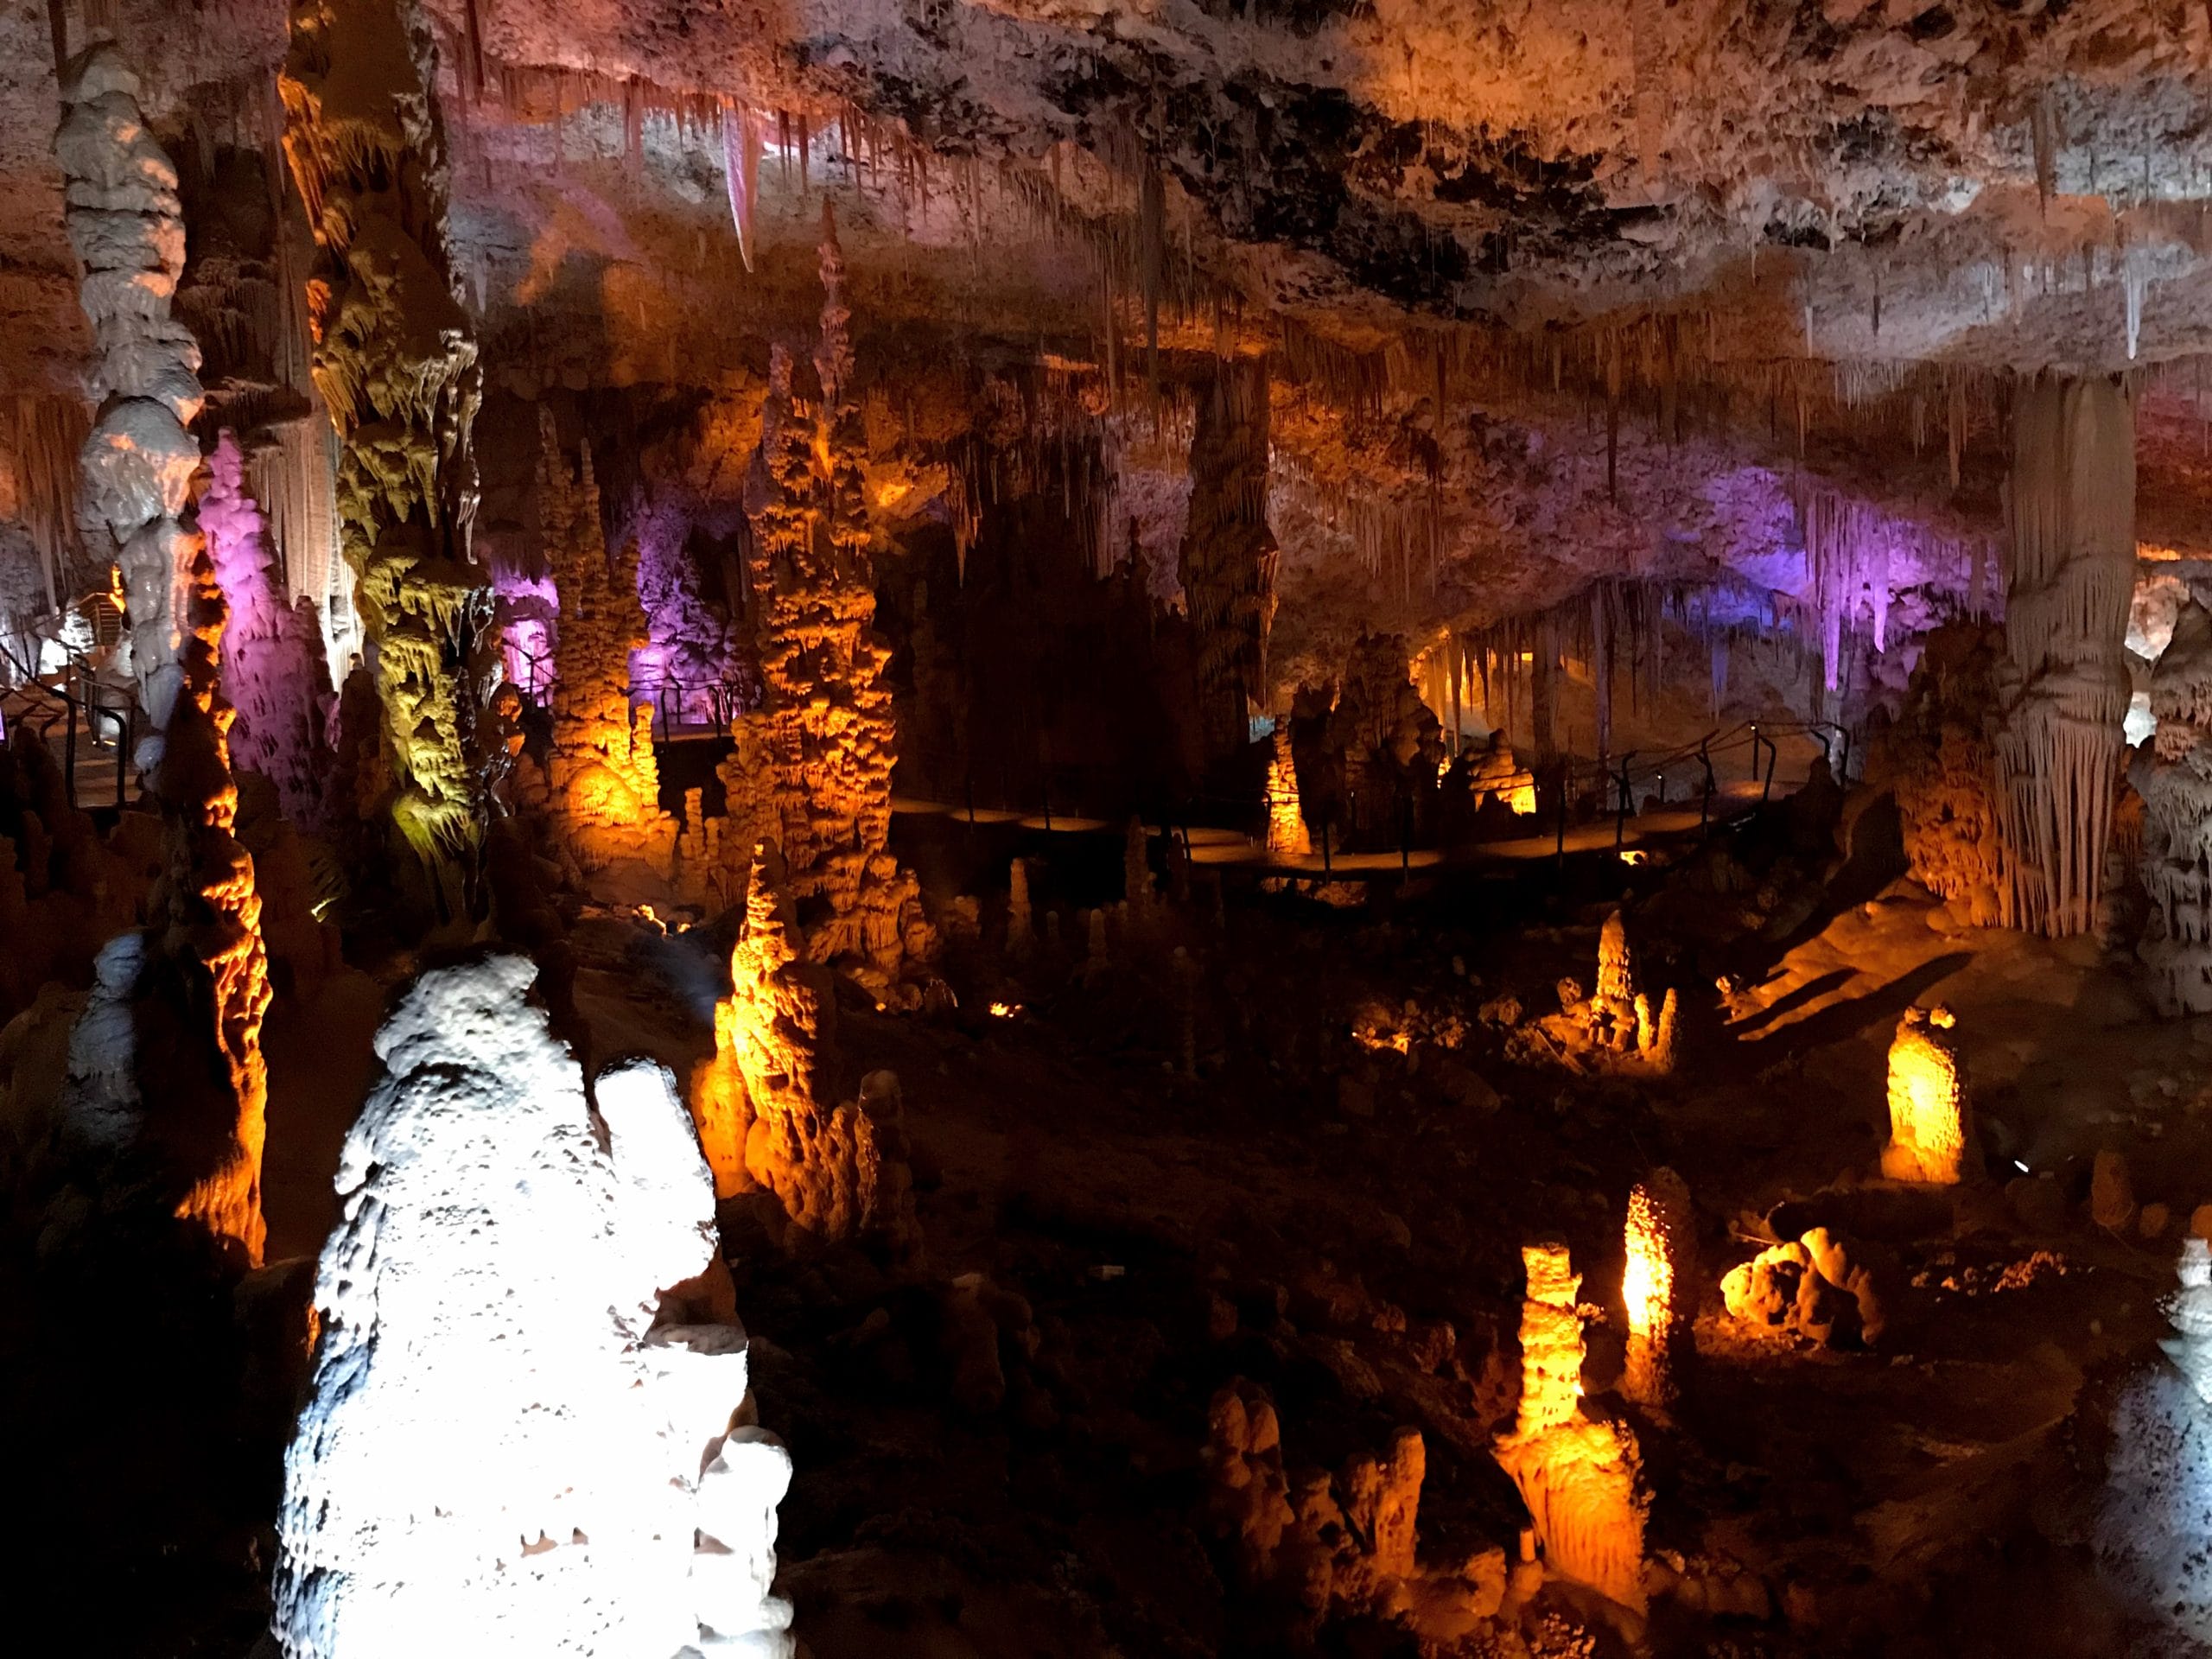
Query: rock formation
<point x="2063" y="689"/>
<point x="1340" y="1546"/>
<point x="1660" y="1239"/>
<point x="1815" y="1286"/>
<point x="837" y="1173"/>
<point x="274" y="669"/>
<point x="1021" y="924"/>
<point x="162" y="1110"/>
<point x="2174" y="778"/>
<point x="126" y="224"/>
<point x="1286" y="833"/>
<point x="1229" y="557"/>
<point x="1616" y="1025"/>
<point x="395" y="365"/>
<point x="1937" y="760"/>
<point x="811" y="770"/>
<point x="1578" y="1477"/>
<point x="509" y="1447"/>
<point x="605" y="788"/>
<point x="1931" y="1117"/>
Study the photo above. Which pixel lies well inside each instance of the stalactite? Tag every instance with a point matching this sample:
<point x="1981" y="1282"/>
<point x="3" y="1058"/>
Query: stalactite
<point x="41" y="439"/>
<point x="1229" y="556"/>
<point x="127" y="225"/>
<point x="274" y="660"/>
<point x="395" y="365"/>
<point x="2069" y="574"/>
<point x="740" y="172"/>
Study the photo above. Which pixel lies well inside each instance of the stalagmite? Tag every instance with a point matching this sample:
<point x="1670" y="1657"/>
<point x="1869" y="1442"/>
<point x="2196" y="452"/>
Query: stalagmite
<point x="811" y="769"/>
<point x="1936" y="758"/>
<point x="839" y="1173"/>
<point x="606" y="786"/>
<point x="1286" y="833"/>
<point x="273" y="663"/>
<point x="126" y="224"/>
<point x="1580" y="1478"/>
<point x="1138" y="895"/>
<point x="395" y="364"/>
<point x="1931" y="1120"/>
<point x="514" y="1442"/>
<point x="1021" y="925"/>
<point x="1229" y="556"/>
<point x="1662" y="1249"/>
<point x="2069" y="572"/>
<point x="2174" y="778"/>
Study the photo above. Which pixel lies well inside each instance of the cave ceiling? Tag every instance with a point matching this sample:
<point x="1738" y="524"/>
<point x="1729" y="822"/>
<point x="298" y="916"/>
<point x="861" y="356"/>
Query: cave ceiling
<point x="1582" y="284"/>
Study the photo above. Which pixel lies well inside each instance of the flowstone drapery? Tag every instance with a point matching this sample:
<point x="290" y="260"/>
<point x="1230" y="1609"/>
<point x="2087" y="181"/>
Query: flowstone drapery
<point x="605" y="788"/>
<point x="2174" y="778"/>
<point x="811" y="768"/>
<point x="396" y="364"/>
<point x="273" y="664"/>
<point x="508" y="1447"/>
<point x="2069" y="570"/>
<point x="127" y="225"/>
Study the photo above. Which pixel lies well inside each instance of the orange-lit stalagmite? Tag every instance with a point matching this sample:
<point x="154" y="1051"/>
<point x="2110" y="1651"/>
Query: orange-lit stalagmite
<point x="1287" y="832"/>
<point x="1931" y="1118"/>
<point x="606" y="786"/>
<point x="838" y="1173"/>
<point x="395" y="362"/>
<point x="1580" y="1478"/>
<point x="811" y="768"/>
<point x="1660" y="1241"/>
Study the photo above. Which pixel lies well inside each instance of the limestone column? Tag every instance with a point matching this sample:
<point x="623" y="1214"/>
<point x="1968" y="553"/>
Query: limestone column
<point x="395" y="362"/>
<point x="2069" y="571"/>
<point x="127" y="225"/>
<point x="1228" y="556"/>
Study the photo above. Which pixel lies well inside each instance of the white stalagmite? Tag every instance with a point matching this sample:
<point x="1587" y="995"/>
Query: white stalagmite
<point x="503" y="1452"/>
<point x="2069" y="572"/>
<point x="127" y="225"/>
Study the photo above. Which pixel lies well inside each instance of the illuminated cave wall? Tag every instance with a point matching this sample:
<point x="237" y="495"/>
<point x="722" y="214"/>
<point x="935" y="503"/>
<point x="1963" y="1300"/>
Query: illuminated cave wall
<point x="396" y="364"/>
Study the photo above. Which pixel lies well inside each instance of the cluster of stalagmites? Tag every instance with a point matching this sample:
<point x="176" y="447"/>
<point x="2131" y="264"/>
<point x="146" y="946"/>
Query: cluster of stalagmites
<point x="765" y="1106"/>
<point x="529" y="1431"/>
<point x="1345" y="1546"/>
<point x="811" y="770"/>
<point x="2174" y="778"/>
<point x="397" y="367"/>
<point x="126" y="224"/>
<point x="605" y="783"/>
<point x="273" y="664"/>
<point x="1615" y="1023"/>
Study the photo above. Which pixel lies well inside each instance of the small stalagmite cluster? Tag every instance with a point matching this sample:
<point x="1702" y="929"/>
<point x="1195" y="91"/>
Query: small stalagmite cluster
<point x="127" y="225"/>
<point x="273" y="669"/>
<point x="1932" y="1115"/>
<point x="395" y="362"/>
<point x="605" y="788"/>
<point x="2174" y="778"/>
<point x="1580" y="1478"/>
<point x="811" y="769"/>
<point x="837" y="1173"/>
<point x="1615" y="1023"/>
<point x="514" y="1442"/>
